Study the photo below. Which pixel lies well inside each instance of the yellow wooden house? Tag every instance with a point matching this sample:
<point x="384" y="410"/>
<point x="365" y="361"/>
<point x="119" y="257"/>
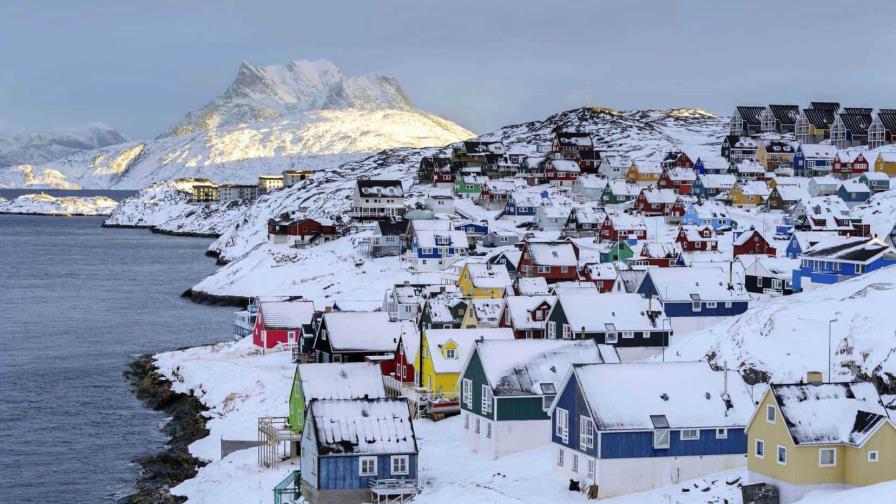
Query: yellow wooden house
<point x="638" y="174"/>
<point x="483" y="280"/>
<point x="774" y="153"/>
<point x="442" y="356"/>
<point x="748" y="193"/>
<point x="885" y="162"/>
<point x="483" y="313"/>
<point x="813" y="436"/>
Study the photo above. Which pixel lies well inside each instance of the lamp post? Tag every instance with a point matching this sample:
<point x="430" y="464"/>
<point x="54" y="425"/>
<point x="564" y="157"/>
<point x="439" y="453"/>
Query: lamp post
<point x="830" y="324"/>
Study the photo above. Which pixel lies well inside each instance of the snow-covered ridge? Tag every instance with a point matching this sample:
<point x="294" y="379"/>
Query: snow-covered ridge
<point x="41" y="147"/>
<point x="788" y="336"/>
<point x="166" y="207"/>
<point x="44" y="204"/>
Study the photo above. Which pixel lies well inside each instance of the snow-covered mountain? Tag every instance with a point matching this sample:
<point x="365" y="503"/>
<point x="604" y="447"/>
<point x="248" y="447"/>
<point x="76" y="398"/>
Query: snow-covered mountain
<point x="41" y="147"/>
<point x="303" y="114"/>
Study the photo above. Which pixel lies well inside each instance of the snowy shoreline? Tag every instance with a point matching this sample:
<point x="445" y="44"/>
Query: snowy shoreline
<point x="66" y="206"/>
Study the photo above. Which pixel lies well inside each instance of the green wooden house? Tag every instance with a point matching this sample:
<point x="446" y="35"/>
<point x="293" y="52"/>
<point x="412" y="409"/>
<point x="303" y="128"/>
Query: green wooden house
<point x="469" y="186"/>
<point x="615" y="251"/>
<point x="331" y="381"/>
<point x="620" y="191"/>
<point x="442" y="313"/>
<point x="507" y="387"/>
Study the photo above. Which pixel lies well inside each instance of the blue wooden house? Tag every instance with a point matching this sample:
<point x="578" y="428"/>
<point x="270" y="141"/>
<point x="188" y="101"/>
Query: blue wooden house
<point x="812" y="160"/>
<point x="435" y="249"/>
<point x="800" y="241"/>
<point x="841" y="258"/>
<point x="358" y="450"/>
<point x="708" y="213"/>
<point x="631" y="427"/>
<point x="853" y="192"/>
<point x="473" y="229"/>
<point x="522" y="204"/>
<point x="702" y="168"/>
<point x="710" y="186"/>
<point x="693" y="297"/>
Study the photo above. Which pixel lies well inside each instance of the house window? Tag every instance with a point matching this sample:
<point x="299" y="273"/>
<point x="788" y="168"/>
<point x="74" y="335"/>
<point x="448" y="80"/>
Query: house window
<point x="727" y="304"/>
<point x="466" y="421"/>
<point x="575" y="463"/>
<point x="759" y="449"/>
<point x="468" y="392"/>
<point x="563" y="269"/>
<point x="710" y="304"/>
<point x="628" y="334"/>
<point x="586" y="433"/>
<point x="539" y="315"/>
<point x="486" y="399"/>
<point x="771" y="413"/>
<point x="827" y="457"/>
<point x="552" y="329"/>
<point x="478" y="422"/>
<point x="560" y="457"/>
<point x="567" y="332"/>
<point x="612" y="337"/>
<point x="488" y="430"/>
<point x="451" y="353"/>
<point x="695" y="306"/>
<point x="873" y="456"/>
<point x="591" y="467"/>
<point x="782" y="455"/>
<point x="367" y="466"/>
<point x="546" y="401"/>
<point x="399" y="464"/>
<point x="661" y="439"/>
<point x="860" y="268"/>
<point x="690" y="434"/>
<point x="561" y="429"/>
<point x="544" y="269"/>
<point x="721" y="433"/>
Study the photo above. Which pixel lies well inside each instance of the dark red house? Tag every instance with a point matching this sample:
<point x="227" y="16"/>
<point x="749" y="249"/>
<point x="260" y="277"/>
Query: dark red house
<point x="602" y="275"/>
<point x="696" y="238"/>
<point x="752" y="242"/>
<point x="848" y="164"/>
<point x="680" y="180"/>
<point x="660" y="254"/>
<point x="622" y="226"/>
<point x="655" y="201"/>
<point x="527" y="315"/>
<point x="400" y="366"/>
<point x="284" y="322"/>
<point x="301" y="231"/>
<point x="570" y="143"/>
<point x="554" y="261"/>
<point x="677" y="159"/>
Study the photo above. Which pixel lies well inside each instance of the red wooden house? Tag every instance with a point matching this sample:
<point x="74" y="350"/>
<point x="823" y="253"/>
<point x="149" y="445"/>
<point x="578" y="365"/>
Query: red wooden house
<point x="284" y="322"/>
<point x="553" y="261"/>
<point x="621" y="226"/>
<point x="571" y="143"/>
<point x="602" y="275"/>
<point x="696" y="238"/>
<point x="849" y="163"/>
<point x="752" y="242"/>
<point x="677" y="159"/>
<point x="661" y="254"/>
<point x="678" y="209"/>
<point x="680" y="180"/>
<point x="561" y="172"/>
<point x="302" y="231"/>
<point x="589" y="160"/>
<point x="655" y="201"/>
<point x="400" y="366"/>
<point x="527" y="315"/>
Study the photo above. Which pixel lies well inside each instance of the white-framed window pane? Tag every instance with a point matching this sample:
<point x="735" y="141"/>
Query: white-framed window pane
<point x="560" y="457"/>
<point x="827" y="457"/>
<point x="873" y="456"/>
<point x="782" y="455"/>
<point x="661" y="438"/>
<point x="771" y="414"/>
<point x="721" y="433"/>
<point x="367" y="466"/>
<point x="760" y="449"/>
<point x="690" y="434"/>
<point x="399" y="464"/>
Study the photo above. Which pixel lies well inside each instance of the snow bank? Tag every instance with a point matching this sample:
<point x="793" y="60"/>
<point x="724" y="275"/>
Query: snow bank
<point x="44" y="204"/>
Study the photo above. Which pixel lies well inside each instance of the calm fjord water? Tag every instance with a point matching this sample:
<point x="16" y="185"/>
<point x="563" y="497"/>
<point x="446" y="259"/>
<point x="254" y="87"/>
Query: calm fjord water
<point x="77" y="304"/>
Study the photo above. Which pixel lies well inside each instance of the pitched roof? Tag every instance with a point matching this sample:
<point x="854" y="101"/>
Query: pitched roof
<point x="825" y="105"/>
<point x="686" y="394"/>
<point x="362" y="426"/>
<point x="552" y="254"/>
<point x="856" y="123"/>
<point x="849" y="248"/>
<point x="532" y="286"/>
<point x="746" y="236"/>
<point x="659" y="196"/>
<point x="888" y="119"/>
<point x="355" y="380"/>
<point x="519" y="367"/>
<point x="576" y="138"/>
<point x="380" y="187"/>
<point x="488" y="276"/>
<point x="488" y="311"/>
<point x="827" y="413"/>
<point x="717" y="181"/>
<point x="390" y="228"/>
<point x="818" y="151"/>
<point x="286" y="314"/>
<point x="361" y="331"/>
<point x="428" y="239"/>
<point x="464" y="339"/>
<point x="821" y="119"/>
<point x="751" y="115"/>
<point x="595" y="312"/>
<point x="785" y="114"/>
<point x="708" y="283"/>
<point x="521" y="308"/>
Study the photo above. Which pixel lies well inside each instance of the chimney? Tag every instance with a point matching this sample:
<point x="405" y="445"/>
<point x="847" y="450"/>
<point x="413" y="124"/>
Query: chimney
<point x="814" y="377"/>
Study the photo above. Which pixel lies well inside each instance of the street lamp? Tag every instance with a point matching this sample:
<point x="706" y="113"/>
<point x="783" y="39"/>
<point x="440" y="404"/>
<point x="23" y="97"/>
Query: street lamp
<point x="830" y="324"/>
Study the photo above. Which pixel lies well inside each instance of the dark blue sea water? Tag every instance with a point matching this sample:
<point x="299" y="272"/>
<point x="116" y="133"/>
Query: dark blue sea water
<point x="77" y="304"/>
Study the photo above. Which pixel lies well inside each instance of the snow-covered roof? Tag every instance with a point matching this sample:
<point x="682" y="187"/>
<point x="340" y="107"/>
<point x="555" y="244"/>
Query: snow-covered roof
<point x="627" y="222"/>
<point x="657" y="249"/>
<point x="854" y="186"/>
<point x="601" y="271"/>
<point x="827" y="413"/>
<point x="850" y="248"/>
<point x="875" y="176"/>
<point x="286" y="314"/>
<point x="754" y="188"/>
<point x="746" y="236"/>
<point x="597" y="312"/>
<point x="709" y="283"/>
<point x="430" y="239"/>
<point x="464" y="340"/>
<point x="623" y="188"/>
<point x="362" y="426"/>
<point x="825" y="181"/>
<point x="440" y="309"/>
<point x="851" y="155"/>
<point x="355" y="380"/>
<point x="521" y="307"/>
<point x="532" y="286"/>
<point x="711" y="210"/>
<point x="565" y="165"/>
<point x="686" y="394"/>
<point x="769" y="267"/>
<point x="488" y="311"/>
<point x="590" y="181"/>
<point x="792" y="193"/>
<point x="552" y="254"/>
<point x="361" y="331"/>
<point x="819" y="151"/>
<point x="519" y="367"/>
<point x="659" y="196"/>
<point x="717" y="181"/>
<point x="806" y="239"/>
<point x="488" y="276"/>
<point x="684" y="174"/>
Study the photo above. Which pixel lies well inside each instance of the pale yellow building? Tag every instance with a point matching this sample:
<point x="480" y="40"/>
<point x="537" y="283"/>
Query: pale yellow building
<point x="815" y="436"/>
<point x="483" y="280"/>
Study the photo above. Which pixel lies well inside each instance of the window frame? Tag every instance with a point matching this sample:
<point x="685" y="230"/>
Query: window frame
<point x="367" y="459"/>
<point x="833" y="452"/>
<point x="662" y="446"/>
<point x="756" y="448"/>
<point x="876" y="457"/>
<point x="561" y="424"/>
<point x="694" y="437"/>
<point x="451" y="353"/>
<point x="586" y="436"/>
<point x="779" y="450"/>
<point x="486" y="400"/>
<point x="721" y="433"/>
<point x="771" y="411"/>
<point x="467" y="392"/>
<point x="399" y="458"/>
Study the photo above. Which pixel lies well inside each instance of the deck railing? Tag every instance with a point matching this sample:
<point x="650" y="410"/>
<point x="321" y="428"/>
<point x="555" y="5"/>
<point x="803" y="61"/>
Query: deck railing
<point x="392" y="490"/>
<point x="289" y="490"/>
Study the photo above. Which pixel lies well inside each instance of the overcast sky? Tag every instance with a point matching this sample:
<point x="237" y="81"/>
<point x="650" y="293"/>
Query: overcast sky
<point x="139" y="66"/>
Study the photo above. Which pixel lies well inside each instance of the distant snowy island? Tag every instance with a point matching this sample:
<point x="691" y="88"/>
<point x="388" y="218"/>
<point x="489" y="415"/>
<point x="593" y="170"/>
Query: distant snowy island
<point x="45" y="204"/>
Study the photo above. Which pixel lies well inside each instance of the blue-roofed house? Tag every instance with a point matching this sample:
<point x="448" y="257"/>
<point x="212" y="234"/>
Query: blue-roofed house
<point x="802" y="240"/>
<point x="670" y="422"/>
<point x="841" y="258"/>
<point x="358" y="450"/>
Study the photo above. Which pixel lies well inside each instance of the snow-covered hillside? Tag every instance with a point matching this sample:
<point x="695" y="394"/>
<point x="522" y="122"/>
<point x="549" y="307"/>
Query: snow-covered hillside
<point x="301" y="115"/>
<point x="788" y="336"/>
<point x="41" y="147"/>
<point x="44" y="204"/>
<point x="166" y="207"/>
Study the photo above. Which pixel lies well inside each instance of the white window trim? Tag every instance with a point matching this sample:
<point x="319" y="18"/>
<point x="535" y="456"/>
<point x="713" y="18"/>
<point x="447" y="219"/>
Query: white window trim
<point x="562" y="425"/>
<point x="832" y="450"/>
<point x="361" y="462"/>
<point x="876" y="456"/>
<point x="586" y="441"/>
<point x="407" y="464"/>
<point x="560" y="457"/>
<point x="778" y="455"/>
<point x="550" y="400"/>
<point x="756" y="445"/>
<point x="488" y="430"/>
<point x="711" y="304"/>
<point x="628" y="334"/>
<point x="486" y="401"/>
<point x="721" y="433"/>
<point x="695" y="437"/>
<point x="450" y="353"/>
<point x="468" y="392"/>
<point x="774" y="414"/>
<point x="668" y="442"/>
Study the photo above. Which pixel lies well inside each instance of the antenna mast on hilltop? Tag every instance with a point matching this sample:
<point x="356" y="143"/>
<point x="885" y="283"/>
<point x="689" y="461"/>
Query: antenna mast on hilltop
<point x="588" y="98"/>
